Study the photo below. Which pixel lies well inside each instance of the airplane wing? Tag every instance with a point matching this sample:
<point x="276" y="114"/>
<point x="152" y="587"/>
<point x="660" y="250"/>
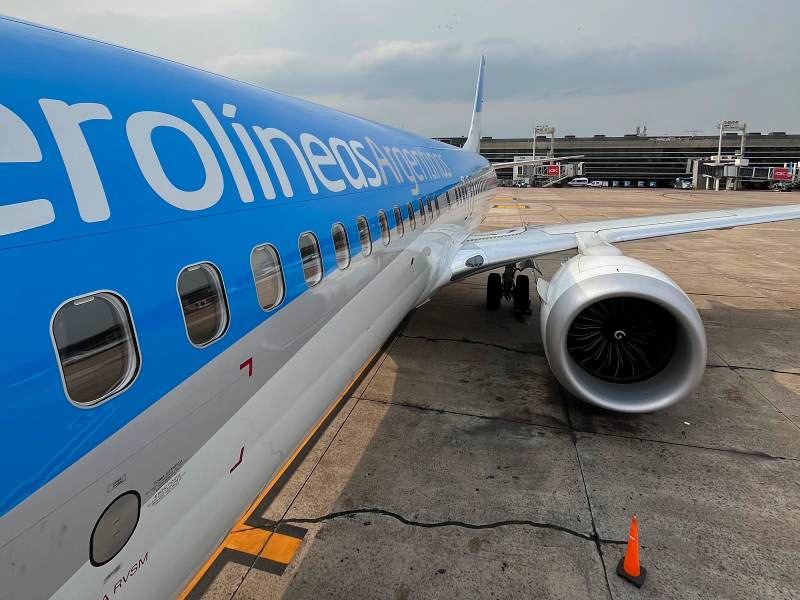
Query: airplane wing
<point x="484" y="251"/>
<point x="533" y="161"/>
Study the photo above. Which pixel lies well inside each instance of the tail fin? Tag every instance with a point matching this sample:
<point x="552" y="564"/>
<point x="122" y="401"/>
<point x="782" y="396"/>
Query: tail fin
<point x="473" y="143"/>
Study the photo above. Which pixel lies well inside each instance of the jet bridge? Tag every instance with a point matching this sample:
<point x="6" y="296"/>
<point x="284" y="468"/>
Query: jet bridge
<point x="546" y="175"/>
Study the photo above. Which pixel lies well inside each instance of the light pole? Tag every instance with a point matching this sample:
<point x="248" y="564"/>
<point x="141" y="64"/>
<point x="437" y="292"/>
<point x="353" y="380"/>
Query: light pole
<point x="741" y="129"/>
<point x="544" y="130"/>
<point x="726" y="126"/>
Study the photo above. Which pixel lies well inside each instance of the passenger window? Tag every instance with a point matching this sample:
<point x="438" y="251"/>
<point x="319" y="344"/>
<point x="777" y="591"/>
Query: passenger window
<point x="310" y="257"/>
<point x="411" y="218"/>
<point x="340" y="245"/>
<point x="422" y="211"/>
<point x="447" y="197"/>
<point x="383" y="222"/>
<point x="268" y="276"/>
<point x="205" y="309"/>
<point x="436" y="205"/>
<point x="398" y="222"/>
<point x="430" y="210"/>
<point x="364" y="236"/>
<point x="97" y="351"/>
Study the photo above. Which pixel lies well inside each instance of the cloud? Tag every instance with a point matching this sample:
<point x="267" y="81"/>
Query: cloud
<point x="445" y="71"/>
<point x="587" y="66"/>
<point x="157" y="9"/>
<point x="255" y="65"/>
<point x="391" y="51"/>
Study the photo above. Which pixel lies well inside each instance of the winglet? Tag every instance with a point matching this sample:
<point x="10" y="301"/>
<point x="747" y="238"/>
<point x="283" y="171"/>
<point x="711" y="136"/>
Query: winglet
<point x="473" y="143"/>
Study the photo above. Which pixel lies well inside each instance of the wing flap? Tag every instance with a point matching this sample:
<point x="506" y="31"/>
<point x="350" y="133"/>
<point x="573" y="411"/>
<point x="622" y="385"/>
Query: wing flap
<point x="485" y="251"/>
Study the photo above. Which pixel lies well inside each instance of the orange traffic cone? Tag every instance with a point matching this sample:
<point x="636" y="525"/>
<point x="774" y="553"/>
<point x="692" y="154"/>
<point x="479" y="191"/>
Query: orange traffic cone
<point x="629" y="567"/>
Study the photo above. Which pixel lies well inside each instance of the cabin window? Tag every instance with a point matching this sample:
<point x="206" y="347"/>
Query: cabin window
<point x="311" y="258"/>
<point x="340" y="245"/>
<point x="411" y="218"/>
<point x="268" y="276"/>
<point x="436" y="205"/>
<point x="97" y="351"/>
<point x="383" y="223"/>
<point x="398" y="222"/>
<point x="447" y="197"/>
<point x="205" y="308"/>
<point x="430" y="210"/>
<point x="364" y="236"/>
<point x="422" y="211"/>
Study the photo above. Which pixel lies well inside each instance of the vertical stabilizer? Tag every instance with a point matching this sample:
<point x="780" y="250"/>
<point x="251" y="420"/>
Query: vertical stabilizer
<point x="473" y="142"/>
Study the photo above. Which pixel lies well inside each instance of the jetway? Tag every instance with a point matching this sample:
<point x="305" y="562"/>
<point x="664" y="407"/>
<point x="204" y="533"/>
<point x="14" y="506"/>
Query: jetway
<point x="556" y="181"/>
<point x="732" y="171"/>
<point x="546" y="175"/>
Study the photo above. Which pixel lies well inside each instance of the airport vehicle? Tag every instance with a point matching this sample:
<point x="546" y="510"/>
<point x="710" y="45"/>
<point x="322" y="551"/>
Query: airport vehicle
<point x="197" y="268"/>
<point x="781" y="186"/>
<point x="578" y="182"/>
<point x="683" y="183"/>
<point x="596" y="183"/>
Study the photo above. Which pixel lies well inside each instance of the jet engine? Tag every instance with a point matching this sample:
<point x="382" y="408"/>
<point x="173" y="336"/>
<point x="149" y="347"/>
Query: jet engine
<point x="620" y="334"/>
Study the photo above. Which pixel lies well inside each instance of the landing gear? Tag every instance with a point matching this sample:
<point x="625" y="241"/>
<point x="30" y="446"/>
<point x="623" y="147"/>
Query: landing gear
<point x="510" y="286"/>
<point x="494" y="291"/>
<point x="522" y="295"/>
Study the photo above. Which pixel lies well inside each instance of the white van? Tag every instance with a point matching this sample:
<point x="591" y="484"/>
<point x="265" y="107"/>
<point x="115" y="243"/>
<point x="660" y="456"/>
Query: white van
<point x="579" y="182"/>
<point x="596" y="183"/>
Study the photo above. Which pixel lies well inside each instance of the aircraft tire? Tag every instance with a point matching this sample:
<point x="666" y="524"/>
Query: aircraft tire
<point x="494" y="291"/>
<point x="522" y="294"/>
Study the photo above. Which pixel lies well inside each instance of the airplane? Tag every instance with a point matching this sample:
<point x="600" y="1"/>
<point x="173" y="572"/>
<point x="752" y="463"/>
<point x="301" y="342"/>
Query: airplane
<point x="197" y="268"/>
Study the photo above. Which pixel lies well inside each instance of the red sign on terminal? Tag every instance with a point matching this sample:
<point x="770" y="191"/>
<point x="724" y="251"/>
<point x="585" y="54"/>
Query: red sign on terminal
<point x="781" y="174"/>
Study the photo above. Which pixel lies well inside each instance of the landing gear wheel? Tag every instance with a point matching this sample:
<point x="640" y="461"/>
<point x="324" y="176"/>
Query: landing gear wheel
<point x="494" y="291"/>
<point x="522" y="295"/>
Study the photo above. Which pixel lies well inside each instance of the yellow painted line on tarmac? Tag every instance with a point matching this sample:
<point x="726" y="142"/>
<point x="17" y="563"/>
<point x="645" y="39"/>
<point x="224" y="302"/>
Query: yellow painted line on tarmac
<point x="266" y="544"/>
<point x="250" y="541"/>
<point x="242" y="535"/>
<point x="281" y="548"/>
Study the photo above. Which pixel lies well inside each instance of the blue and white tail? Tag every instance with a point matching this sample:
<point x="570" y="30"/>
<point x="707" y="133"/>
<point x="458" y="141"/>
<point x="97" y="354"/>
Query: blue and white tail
<point x="473" y="142"/>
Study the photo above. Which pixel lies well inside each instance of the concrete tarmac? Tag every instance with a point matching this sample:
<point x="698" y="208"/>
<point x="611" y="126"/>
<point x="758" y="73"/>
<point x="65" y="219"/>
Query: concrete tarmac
<point x="458" y="467"/>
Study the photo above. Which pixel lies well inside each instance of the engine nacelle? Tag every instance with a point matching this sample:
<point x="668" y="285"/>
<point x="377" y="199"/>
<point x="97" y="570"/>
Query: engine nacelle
<point x="620" y="334"/>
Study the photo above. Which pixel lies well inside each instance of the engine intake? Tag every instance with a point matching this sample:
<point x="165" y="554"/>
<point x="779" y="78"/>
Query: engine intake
<point x="621" y="335"/>
<point x="622" y="339"/>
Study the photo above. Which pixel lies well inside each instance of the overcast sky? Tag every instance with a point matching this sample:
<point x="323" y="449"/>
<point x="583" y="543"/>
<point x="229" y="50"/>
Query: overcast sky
<point x="584" y="66"/>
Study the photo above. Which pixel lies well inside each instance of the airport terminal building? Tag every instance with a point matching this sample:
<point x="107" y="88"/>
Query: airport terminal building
<point x="636" y="157"/>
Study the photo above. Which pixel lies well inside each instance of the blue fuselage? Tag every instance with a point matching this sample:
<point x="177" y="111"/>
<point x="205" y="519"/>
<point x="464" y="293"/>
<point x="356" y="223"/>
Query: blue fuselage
<point x="117" y="171"/>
